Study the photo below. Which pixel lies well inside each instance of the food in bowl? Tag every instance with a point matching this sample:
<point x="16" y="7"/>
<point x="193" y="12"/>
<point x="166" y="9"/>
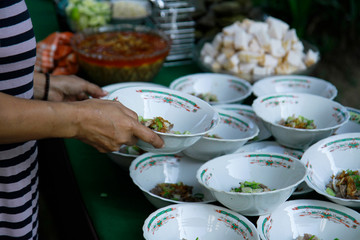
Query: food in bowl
<point x="86" y="14"/>
<point x="307" y="236"/>
<point x="150" y="169"/>
<point x="296" y="218"/>
<point x="120" y="53"/>
<point x="327" y="114"/>
<point x="254" y="49"/>
<point x="279" y="172"/>
<point x="329" y="157"/>
<point x="298" y="122"/>
<point x="217" y="88"/>
<point x="158" y="124"/>
<point x="177" y="191"/>
<point x="250" y="187"/>
<point x="208" y="97"/>
<point x="345" y="184"/>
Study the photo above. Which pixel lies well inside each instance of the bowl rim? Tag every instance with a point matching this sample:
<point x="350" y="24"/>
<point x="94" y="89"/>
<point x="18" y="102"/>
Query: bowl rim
<point x="139" y="158"/>
<point x="313" y="148"/>
<point x="260" y="220"/>
<point x="207" y="206"/>
<point x="78" y="37"/>
<point x="221" y="76"/>
<point x="239" y="117"/>
<point x="215" y="117"/>
<point x="292" y="77"/>
<point x="337" y="104"/>
<point x="237" y="156"/>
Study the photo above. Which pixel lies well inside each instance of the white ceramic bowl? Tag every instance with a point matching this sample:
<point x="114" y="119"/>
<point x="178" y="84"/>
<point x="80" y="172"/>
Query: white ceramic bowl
<point x="329" y="157"/>
<point x="277" y="171"/>
<point x="294" y="84"/>
<point x="234" y="131"/>
<point x="327" y="115"/>
<point x="353" y="125"/>
<point x="186" y="112"/>
<point x="248" y="112"/>
<point x="150" y="169"/>
<point x="115" y="86"/>
<point x="226" y="88"/>
<point x="323" y="219"/>
<point x="274" y="147"/>
<point x="124" y="156"/>
<point x="197" y="221"/>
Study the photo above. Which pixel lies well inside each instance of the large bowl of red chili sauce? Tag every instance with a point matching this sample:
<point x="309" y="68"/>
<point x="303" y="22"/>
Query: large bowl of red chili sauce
<point x="120" y="53"/>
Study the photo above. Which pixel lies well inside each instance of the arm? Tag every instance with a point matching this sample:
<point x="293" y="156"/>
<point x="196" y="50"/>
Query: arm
<point x="65" y="88"/>
<point x="105" y="125"/>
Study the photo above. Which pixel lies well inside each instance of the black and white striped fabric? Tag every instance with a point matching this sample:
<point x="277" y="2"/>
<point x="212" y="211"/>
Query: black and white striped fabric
<point x="18" y="161"/>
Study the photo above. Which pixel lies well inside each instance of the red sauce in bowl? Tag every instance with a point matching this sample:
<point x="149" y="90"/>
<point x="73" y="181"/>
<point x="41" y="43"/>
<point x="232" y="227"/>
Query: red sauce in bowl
<point x="123" y="48"/>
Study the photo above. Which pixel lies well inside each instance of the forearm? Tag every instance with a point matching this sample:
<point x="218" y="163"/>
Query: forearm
<point x="22" y="120"/>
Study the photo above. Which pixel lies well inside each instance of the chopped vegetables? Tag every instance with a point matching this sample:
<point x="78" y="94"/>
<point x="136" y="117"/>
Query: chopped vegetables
<point x="208" y="97"/>
<point x="250" y="187"/>
<point x="345" y="184"/>
<point x="177" y="191"/>
<point x="88" y="13"/>
<point x="159" y="124"/>
<point x="298" y="122"/>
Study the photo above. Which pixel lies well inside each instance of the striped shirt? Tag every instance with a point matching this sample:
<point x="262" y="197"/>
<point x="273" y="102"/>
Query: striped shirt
<point x="18" y="161"/>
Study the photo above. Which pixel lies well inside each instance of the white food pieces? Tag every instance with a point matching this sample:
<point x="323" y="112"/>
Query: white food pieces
<point x="258" y="49"/>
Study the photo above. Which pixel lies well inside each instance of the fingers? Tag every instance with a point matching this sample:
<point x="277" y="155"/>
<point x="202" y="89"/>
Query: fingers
<point x="94" y="90"/>
<point x="148" y="135"/>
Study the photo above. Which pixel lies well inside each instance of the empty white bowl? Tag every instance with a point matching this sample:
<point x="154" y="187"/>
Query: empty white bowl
<point x="248" y="112"/>
<point x="294" y="84"/>
<point x="226" y="88"/>
<point x="185" y="112"/>
<point x="150" y="169"/>
<point x="327" y="115"/>
<point x="329" y="157"/>
<point x="278" y="172"/>
<point x="323" y="219"/>
<point x="197" y="221"/>
<point x="234" y="131"/>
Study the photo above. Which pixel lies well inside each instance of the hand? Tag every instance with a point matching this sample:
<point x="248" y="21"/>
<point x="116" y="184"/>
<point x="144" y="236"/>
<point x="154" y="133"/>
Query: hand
<point x="66" y="88"/>
<point x="106" y="125"/>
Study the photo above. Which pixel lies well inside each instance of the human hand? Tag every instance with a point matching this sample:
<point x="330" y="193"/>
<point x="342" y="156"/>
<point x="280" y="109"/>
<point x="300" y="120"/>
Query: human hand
<point x="66" y="88"/>
<point x="106" y="125"/>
